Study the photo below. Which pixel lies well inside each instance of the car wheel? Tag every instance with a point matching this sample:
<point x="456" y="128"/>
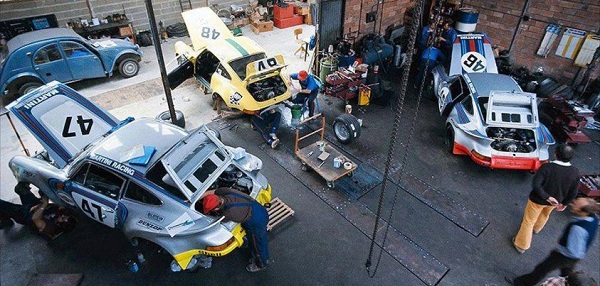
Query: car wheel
<point x="449" y="141"/>
<point x="346" y="128"/>
<point x="179" y="119"/>
<point x="28" y="87"/>
<point x="129" y="67"/>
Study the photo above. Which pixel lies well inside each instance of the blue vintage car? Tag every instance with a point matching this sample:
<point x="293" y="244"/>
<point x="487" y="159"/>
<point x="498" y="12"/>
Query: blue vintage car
<point x="35" y="58"/>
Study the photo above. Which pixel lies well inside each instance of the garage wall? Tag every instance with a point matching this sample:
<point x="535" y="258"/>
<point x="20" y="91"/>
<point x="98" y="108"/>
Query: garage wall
<point x="499" y="20"/>
<point x="168" y="11"/>
<point x="356" y="10"/>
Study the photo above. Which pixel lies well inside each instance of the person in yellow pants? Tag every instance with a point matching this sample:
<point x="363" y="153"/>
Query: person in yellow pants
<point x="555" y="185"/>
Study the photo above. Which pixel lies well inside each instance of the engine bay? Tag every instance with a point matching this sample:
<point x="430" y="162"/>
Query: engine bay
<point x="233" y="178"/>
<point x="512" y="139"/>
<point x="267" y="88"/>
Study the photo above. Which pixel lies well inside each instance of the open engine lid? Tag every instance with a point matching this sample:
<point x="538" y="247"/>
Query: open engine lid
<point x="62" y="120"/>
<point x="518" y="109"/>
<point x="263" y="67"/>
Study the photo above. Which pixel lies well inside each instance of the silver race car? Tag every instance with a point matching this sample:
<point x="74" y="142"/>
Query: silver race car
<point x="488" y="116"/>
<point x="143" y="176"/>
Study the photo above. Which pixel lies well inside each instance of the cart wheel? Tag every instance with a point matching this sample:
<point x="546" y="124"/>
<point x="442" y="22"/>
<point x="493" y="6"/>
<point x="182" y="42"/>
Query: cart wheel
<point x="351" y="174"/>
<point x="330" y="184"/>
<point x="304" y="167"/>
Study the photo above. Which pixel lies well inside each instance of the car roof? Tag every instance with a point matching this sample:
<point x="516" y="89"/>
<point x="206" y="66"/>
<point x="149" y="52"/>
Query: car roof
<point x="233" y="48"/>
<point x="140" y="132"/>
<point x="39" y="35"/>
<point x="484" y="83"/>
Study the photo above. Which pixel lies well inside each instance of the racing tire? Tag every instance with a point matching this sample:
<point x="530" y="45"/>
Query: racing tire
<point x="129" y="68"/>
<point x="28" y="87"/>
<point x="179" y="119"/>
<point x="346" y="128"/>
<point x="449" y="139"/>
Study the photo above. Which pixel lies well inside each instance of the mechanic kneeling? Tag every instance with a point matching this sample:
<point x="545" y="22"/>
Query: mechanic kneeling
<point x="267" y="123"/>
<point x="241" y="208"/>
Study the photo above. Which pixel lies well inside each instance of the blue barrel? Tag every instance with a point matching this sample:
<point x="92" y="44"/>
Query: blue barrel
<point x="467" y="20"/>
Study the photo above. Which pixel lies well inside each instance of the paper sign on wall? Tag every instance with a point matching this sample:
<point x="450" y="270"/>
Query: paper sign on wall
<point x="552" y="32"/>
<point x="586" y="54"/>
<point x="571" y="42"/>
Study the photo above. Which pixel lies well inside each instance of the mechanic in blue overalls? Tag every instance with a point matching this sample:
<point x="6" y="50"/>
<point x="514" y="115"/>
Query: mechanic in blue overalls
<point x="430" y="57"/>
<point x="309" y="89"/>
<point x="447" y="38"/>
<point x="267" y="123"/>
<point x="241" y="208"/>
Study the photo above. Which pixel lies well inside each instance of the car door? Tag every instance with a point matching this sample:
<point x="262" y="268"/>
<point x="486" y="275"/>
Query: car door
<point x="451" y="92"/>
<point x="96" y="191"/>
<point x="50" y="64"/>
<point x="82" y="62"/>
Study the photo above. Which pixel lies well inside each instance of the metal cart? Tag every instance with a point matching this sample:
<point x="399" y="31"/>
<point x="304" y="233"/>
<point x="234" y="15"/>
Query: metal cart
<point x="320" y="156"/>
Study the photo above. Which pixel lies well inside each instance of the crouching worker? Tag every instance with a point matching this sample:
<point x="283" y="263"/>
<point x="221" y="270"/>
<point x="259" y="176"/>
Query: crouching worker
<point x="267" y="123"/>
<point x="49" y="219"/>
<point x="309" y="89"/>
<point x="241" y="208"/>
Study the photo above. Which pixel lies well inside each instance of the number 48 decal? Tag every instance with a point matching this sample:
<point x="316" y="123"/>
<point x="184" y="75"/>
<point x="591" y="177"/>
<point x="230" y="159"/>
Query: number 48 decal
<point x="209" y="33"/>
<point x="473" y="62"/>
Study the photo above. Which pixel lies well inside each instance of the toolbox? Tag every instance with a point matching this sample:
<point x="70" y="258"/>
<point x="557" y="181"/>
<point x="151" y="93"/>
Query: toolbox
<point x="283" y="12"/>
<point x="295" y="20"/>
<point x="343" y="84"/>
<point x="590" y="185"/>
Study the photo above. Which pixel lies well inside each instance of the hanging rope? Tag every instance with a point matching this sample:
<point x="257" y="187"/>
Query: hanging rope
<point x="398" y="114"/>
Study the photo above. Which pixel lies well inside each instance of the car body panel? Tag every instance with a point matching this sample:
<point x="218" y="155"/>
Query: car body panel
<point x="47" y="55"/>
<point x="121" y="178"/>
<point x="236" y="69"/>
<point x="488" y="116"/>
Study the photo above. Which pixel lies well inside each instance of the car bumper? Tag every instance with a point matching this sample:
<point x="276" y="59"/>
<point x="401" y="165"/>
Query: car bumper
<point x="499" y="162"/>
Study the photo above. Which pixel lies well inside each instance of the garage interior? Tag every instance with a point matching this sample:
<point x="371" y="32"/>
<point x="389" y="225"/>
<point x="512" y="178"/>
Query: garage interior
<point x="414" y="212"/>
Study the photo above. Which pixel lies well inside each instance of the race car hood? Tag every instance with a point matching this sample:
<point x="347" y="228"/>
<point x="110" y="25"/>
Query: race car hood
<point x="205" y="27"/>
<point x="512" y="109"/>
<point x="472" y="53"/>
<point x="62" y="120"/>
<point x="261" y="68"/>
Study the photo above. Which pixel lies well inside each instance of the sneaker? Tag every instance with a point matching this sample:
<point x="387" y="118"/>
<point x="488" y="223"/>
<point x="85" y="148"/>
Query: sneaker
<point x="6" y="223"/>
<point x="273" y="136"/>
<point x="274" y="143"/>
<point x="519" y="250"/>
<point x="254" y="268"/>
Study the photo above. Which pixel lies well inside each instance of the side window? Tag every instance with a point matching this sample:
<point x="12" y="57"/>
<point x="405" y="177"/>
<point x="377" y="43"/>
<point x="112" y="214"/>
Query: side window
<point x="79" y="177"/>
<point x="47" y="54"/>
<point x="467" y="103"/>
<point x="73" y="50"/>
<point x="137" y="193"/>
<point x="221" y="70"/>
<point x="103" y="181"/>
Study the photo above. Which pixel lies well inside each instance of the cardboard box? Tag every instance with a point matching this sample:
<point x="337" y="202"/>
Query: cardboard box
<point x="307" y="19"/>
<point x="302" y="10"/>
<point x="262" y="26"/>
<point x="125" y="31"/>
<point x="289" y="22"/>
<point x="283" y="12"/>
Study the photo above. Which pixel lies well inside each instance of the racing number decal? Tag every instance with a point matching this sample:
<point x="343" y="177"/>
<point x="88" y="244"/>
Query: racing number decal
<point x="473" y="62"/>
<point x="85" y="125"/>
<point x="443" y="97"/>
<point x="85" y="206"/>
<point x="209" y="33"/>
<point x="265" y="64"/>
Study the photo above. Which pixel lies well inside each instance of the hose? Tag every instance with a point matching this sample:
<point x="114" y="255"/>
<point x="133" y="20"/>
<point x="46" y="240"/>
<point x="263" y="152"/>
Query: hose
<point x="177" y="30"/>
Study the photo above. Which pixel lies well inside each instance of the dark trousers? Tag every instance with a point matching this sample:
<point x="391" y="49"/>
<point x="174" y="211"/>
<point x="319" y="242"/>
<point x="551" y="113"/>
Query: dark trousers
<point x="256" y="232"/>
<point x="19" y="213"/>
<point x="554" y="261"/>
<point x="425" y="67"/>
<point x="267" y="123"/>
<point x="304" y="98"/>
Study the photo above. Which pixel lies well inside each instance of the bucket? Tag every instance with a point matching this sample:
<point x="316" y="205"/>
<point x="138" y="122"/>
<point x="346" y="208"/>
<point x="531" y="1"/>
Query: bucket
<point x="328" y="65"/>
<point x="296" y="114"/>
<point x="467" y="20"/>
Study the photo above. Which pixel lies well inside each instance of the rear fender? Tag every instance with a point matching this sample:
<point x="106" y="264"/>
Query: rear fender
<point x="38" y="172"/>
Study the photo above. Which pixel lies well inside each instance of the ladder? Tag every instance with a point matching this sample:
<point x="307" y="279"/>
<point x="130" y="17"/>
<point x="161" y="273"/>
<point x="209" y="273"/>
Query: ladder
<point x="185" y="5"/>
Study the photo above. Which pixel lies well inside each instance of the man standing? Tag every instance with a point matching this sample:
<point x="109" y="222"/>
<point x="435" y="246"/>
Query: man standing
<point x="241" y="208"/>
<point x="49" y="219"/>
<point x="426" y="33"/>
<point x="309" y="89"/>
<point x="555" y="185"/>
<point x="447" y="38"/>
<point x="572" y="245"/>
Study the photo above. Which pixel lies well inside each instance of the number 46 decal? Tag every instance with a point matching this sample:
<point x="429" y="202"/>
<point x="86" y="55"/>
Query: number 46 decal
<point x="85" y="125"/>
<point x="473" y="62"/>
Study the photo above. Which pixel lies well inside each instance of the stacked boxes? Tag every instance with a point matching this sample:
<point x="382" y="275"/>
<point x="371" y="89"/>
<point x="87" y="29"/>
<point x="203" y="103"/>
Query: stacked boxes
<point x="284" y="17"/>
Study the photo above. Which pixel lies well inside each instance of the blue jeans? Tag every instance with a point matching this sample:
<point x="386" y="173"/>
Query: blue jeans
<point x="303" y="98"/>
<point x="267" y="123"/>
<point x="256" y="232"/>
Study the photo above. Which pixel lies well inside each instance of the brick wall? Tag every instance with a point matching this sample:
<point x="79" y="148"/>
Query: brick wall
<point x="499" y="20"/>
<point x="391" y="12"/>
<point x="168" y="11"/>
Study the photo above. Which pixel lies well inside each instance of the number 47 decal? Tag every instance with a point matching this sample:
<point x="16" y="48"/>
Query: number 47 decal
<point x="85" y="125"/>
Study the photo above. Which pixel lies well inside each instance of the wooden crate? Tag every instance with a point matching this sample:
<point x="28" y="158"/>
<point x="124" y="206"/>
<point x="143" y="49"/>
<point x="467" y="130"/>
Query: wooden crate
<point x="125" y="31"/>
<point x="278" y="213"/>
<point x="262" y="26"/>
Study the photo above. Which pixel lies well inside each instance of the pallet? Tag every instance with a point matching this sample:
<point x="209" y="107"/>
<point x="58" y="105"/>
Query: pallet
<point x="278" y="213"/>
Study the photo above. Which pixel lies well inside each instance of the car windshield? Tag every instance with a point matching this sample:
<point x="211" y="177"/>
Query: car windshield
<point x="239" y="65"/>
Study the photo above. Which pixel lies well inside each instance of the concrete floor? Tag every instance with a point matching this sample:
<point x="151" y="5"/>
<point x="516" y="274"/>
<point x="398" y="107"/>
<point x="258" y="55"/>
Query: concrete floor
<point x="450" y="220"/>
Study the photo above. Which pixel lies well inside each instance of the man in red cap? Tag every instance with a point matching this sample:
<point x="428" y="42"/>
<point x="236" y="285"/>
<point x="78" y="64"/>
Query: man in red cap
<point x="309" y="89"/>
<point x="241" y="208"/>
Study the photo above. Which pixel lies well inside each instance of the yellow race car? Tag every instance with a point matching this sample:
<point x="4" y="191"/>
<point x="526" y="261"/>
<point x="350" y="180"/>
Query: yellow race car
<point x="235" y="69"/>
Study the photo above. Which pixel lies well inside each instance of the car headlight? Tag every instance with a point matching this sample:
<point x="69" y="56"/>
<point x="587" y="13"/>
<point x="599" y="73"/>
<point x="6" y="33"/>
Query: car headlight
<point x="16" y="170"/>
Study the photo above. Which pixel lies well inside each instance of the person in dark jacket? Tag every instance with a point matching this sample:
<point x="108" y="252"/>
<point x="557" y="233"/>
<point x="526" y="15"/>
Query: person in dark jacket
<point x="241" y="208"/>
<point x="49" y="219"/>
<point x="572" y="244"/>
<point x="555" y="185"/>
